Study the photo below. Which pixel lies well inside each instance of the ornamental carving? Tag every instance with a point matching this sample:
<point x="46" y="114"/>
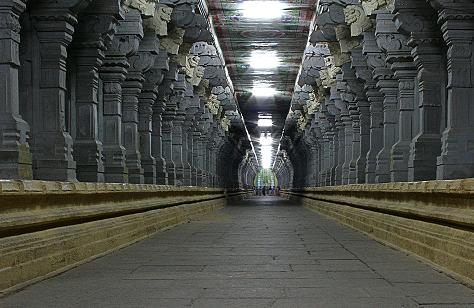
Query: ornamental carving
<point x="172" y="42"/>
<point x="9" y="21"/>
<point x="302" y="122"/>
<point x="356" y="18"/>
<point x="146" y="8"/>
<point x="213" y="104"/>
<point x="370" y="6"/>
<point x="225" y="123"/>
<point x="197" y="76"/>
<point x="159" y="22"/>
<point x="312" y="103"/>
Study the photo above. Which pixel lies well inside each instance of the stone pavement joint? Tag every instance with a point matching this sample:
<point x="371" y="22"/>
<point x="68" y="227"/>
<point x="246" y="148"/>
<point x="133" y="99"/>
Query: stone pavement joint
<point x="260" y="252"/>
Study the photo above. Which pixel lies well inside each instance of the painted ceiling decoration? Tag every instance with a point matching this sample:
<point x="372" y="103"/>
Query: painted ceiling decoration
<point x="263" y="43"/>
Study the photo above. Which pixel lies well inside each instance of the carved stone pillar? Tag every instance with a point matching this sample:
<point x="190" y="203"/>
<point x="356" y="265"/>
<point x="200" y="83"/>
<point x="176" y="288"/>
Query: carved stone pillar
<point x="15" y="156"/>
<point x="401" y="63"/>
<point x="156" y="143"/>
<point x="197" y="158"/>
<point x="361" y="118"/>
<point x="146" y="100"/>
<point x="376" y="62"/>
<point x="167" y="142"/>
<point x="94" y="33"/>
<point x="52" y="144"/>
<point x="177" y="100"/>
<point x="160" y="69"/>
<point x="457" y="153"/>
<point x="339" y="143"/>
<point x="113" y="73"/>
<point x="140" y="63"/>
<point x="418" y="20"/>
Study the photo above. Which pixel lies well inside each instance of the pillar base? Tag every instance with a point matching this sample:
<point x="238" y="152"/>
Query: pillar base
<point x="424" y="151"/>
<point x="16" y="164"/>
<point x="399" y="165"/>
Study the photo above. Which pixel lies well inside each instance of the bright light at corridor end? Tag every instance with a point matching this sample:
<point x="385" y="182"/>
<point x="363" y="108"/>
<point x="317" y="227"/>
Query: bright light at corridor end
<point x="262" y="9"/>
<point x="266" y="158"/>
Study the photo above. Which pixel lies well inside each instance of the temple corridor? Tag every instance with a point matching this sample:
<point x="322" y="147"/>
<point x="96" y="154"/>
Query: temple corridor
<point x="214" y="153"/>
<point x="259" y="252"/>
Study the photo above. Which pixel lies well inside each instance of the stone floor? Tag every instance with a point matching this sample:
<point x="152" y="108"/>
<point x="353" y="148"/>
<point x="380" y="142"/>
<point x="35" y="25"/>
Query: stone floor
<point x="262" y="252"/>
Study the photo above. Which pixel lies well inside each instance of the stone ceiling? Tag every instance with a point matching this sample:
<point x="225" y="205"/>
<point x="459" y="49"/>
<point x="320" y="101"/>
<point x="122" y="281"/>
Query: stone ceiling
<point x="241" y="36"/>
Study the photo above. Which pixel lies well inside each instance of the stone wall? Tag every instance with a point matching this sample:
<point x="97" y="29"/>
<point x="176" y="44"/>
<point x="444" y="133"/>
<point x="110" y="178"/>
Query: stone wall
<point x="433" y="219"/>
<point x="49" y="227"/>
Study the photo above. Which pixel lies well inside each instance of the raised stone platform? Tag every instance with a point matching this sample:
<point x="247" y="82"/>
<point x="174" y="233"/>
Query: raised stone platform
<point x="48" y="227"/>
<point x="433" y="219"/>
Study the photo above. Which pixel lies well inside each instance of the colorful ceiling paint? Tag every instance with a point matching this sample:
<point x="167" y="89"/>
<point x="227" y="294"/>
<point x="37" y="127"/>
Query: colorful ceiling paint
<point x="247" y="40"/>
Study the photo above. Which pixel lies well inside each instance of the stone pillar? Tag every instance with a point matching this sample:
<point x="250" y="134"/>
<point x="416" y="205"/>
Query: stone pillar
<point x="457" y="154"/>
<point x="360" y="118"/>
<point x="52" y="144"/>
<point x="197" y="158"/>
<point x="401" y="63"/>
<point x="376" y="62"/>
<point x="418" y="20"/>
<point x="339" y="139"/>
<point x="388" y="85"/>
<point x="177" y="100"/>
<point x="113" y="73"/>
<point x="156" y="143"/>
<point x="15" y="156"/>
<point x="147" y="120"/>
<point x="161" y="67"/>
<point x="167" y="143"/>
<point x="94" y="33"/>
<point x="405" y="72"/>
<point x="140" y="63"/>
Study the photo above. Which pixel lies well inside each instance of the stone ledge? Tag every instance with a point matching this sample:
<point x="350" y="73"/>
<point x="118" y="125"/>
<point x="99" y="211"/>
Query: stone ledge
<point x="48" y="227"/>
<point x="18" y="187"/>
<point x="423" y="218"/>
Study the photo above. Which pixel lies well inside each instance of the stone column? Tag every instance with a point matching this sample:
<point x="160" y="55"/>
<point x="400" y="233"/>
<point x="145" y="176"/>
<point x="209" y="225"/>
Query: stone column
<point x="177" y="100"/>
<point x="388" y="85"/>
<point x="113" y="73"/>
<point x="162" y="65"/>
<point x="147" y="121"/>
<point x="457" y="153"/>
<point x="197" y="158"/>
<point x="418" y="20"/>
<point x="15" y="156"/>
<point x="94" y="33"/>
<point x="376" y="62"/>
<point x="140" y="63"/>
<point x="156" y="143"/>
<point x="167" y="143"/>
<point x="401" y="63"/>
<point x="52" y="144"/>
<point x="361" y="118"/>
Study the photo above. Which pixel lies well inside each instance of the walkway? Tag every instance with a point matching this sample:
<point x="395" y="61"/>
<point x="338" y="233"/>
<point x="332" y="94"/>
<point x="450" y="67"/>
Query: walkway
<point x="263" y="252"/>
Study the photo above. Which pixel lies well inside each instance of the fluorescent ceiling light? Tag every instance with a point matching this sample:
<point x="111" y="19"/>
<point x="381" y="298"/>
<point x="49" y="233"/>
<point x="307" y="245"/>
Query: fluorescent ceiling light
<point x="265" y="122"/>
<point x="262" y="9"/>
<point x="263" y="90"/>
<point x="261" y="59"/>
